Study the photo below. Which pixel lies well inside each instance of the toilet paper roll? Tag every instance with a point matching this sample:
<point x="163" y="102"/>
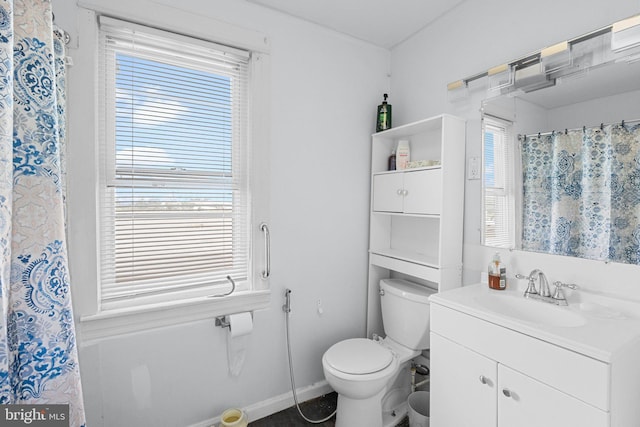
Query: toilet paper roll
<point x="240" y="326"/>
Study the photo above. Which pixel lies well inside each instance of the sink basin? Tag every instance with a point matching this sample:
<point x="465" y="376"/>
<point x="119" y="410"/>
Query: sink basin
<point x="603" y="311"/>
<point x="538" y="312"/>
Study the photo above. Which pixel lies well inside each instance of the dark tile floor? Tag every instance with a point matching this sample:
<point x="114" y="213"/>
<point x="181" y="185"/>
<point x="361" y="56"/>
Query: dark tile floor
<point x="314" y="409"/>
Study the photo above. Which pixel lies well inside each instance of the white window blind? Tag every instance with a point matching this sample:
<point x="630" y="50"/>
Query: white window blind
<point x="174" y="175"/>
<point x="498" y="184"/>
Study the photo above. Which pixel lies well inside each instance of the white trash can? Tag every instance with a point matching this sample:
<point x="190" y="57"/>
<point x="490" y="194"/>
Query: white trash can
<point x="419" y="409"/>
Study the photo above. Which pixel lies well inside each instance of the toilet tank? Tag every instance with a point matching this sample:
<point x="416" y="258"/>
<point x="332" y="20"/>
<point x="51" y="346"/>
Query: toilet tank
<point x="405" y="312"/>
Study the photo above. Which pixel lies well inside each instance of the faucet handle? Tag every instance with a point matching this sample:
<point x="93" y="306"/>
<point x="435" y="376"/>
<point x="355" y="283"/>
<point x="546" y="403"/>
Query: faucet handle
<point x="558" y="284"/>
<point x="531" y="286"/>
<point x="558" y="295"/>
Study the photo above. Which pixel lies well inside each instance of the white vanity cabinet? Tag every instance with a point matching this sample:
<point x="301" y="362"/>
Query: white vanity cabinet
<point x="489" y="370"/>
<point x="416" y="217"/>
<point x="492" y="394"/>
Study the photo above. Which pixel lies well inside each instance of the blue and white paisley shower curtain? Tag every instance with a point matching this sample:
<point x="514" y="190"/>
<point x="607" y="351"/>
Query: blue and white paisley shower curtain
<point x="581" y="193"/>
<point x="38" y="355"/>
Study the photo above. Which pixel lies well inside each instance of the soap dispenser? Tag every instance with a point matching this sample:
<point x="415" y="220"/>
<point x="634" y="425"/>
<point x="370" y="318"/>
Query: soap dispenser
<point x="497" y="273"/>
<point x="384" y="115"/>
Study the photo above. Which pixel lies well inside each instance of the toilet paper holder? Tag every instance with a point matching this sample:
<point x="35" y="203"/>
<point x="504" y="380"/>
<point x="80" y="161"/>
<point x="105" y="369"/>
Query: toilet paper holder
<point x="223" y="321"/>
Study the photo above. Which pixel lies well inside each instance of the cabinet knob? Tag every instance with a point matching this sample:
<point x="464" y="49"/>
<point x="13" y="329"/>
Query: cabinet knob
<point x="483" y="379"/>
<point x="400" y="191"/>
<point x="405" y="192"/>
<point x="507" y="392"/>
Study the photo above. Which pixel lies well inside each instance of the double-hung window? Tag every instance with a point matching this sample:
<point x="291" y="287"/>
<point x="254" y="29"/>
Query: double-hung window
<point x="498" y="227"/>
<point x="175" y="217"/>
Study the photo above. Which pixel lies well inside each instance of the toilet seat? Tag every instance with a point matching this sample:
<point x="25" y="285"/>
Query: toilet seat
<point x="358" y="356"/>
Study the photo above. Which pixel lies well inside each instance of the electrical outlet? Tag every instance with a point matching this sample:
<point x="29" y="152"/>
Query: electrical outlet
<point x="473" y="168"/>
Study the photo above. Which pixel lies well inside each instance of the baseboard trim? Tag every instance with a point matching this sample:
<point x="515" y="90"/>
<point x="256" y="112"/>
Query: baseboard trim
<point x="275" y="404"/>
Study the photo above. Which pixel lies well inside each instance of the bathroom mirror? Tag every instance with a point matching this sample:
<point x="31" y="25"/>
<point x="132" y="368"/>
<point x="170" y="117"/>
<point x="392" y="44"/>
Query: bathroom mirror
<point x="561" y="149"/>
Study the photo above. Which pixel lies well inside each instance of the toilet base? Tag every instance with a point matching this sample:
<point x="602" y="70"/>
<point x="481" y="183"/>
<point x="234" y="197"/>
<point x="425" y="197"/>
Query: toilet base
<point x="385" y="409"/>
<point x="359" y="412"/>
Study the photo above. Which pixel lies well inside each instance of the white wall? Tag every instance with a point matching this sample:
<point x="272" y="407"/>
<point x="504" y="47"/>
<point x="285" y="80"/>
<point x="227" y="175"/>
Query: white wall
<point x="325" y="88"/>
<point x="473" y="37"/>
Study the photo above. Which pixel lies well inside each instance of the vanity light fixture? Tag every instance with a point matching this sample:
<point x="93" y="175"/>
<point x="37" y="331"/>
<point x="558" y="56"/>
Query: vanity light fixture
<point x="556" y="57"/>
<point x="456" y="85"/>
<point x="500" y="77"/>
<point x="530" y="75"/>
<point x="568" y="58"/>
<point x="625" y="34"/>
<point x="458" y="90"/>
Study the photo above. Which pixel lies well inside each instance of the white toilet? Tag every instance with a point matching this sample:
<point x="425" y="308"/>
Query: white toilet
<point x="364" y="372"/>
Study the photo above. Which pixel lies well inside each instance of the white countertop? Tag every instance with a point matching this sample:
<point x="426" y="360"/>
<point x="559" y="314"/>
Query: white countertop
<point x="609" y="324"/>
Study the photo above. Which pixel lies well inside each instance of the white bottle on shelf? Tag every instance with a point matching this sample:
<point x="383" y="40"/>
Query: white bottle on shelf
<point x="403" y="154"/>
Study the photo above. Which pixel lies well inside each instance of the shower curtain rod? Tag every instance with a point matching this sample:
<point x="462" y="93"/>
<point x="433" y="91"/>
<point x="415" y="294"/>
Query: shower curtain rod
<point x="602" y="125"/>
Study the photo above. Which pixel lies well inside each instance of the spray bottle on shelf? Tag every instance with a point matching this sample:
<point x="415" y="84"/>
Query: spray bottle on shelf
<point x="392" y="161"/>
<point x="497" y="273"/>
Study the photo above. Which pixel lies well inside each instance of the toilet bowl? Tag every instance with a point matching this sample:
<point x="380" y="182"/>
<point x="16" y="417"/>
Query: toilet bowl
<point x="362" y="380"/>
<point x="362" y="370"/>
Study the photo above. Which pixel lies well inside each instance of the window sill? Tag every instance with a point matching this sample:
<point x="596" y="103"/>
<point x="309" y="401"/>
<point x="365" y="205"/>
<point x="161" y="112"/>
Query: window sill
<point x="135" y="319"/>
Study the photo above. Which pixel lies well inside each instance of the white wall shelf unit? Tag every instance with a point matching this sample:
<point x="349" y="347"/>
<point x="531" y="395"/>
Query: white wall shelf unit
<point x="416" y="217"/>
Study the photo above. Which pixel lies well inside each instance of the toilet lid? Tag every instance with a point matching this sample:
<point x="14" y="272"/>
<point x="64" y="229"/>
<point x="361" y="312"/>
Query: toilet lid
<point x="358" y="356"/>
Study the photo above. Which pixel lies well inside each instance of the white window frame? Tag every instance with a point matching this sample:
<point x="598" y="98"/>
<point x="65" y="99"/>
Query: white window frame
<point x="505" y="173"/>
<point x="97" y="321"/>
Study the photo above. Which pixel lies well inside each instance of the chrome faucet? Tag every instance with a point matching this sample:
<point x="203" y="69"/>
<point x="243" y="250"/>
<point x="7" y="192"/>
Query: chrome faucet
<point x="544" y="294"/>
<point x="544" y="284"/>
<point x="531" y="287"/>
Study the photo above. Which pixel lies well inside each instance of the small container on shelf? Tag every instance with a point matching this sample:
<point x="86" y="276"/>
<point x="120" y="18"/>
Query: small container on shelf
<point x="392" y="161"/>
<point x="403" y="154"/>
<point x="497" y="274"/>
<point x="422" y="164"/>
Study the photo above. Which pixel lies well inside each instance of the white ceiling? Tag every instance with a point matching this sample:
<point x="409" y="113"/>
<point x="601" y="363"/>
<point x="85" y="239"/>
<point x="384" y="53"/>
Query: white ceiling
<point x="384" y="23"/>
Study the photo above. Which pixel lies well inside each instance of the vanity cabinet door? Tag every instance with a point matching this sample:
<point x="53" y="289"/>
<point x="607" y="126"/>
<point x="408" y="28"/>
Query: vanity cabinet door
<point x="463" y="386"/>
<point x="388" y="192"/>
<point x="526" y="402"/>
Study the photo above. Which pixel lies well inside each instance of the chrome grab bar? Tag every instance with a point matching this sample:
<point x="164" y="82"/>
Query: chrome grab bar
<point x="267" y="250"/>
